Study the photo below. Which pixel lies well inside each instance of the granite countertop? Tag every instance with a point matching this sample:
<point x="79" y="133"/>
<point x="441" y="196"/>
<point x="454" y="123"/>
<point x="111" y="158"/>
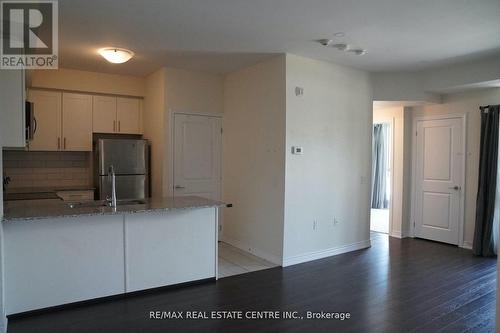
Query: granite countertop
<point x="19" y="211"/>
<point x="53" y="189"/>
<point x="30" y="193"/>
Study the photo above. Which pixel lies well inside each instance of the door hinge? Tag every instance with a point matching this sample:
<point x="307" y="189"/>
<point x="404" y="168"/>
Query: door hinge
<point x="221" y="130"/>
<point x="416" y="133"/>
<point x="413" y="224"/>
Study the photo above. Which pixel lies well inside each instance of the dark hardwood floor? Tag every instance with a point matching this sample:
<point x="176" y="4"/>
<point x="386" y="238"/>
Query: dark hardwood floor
<point x="395" y="286"/>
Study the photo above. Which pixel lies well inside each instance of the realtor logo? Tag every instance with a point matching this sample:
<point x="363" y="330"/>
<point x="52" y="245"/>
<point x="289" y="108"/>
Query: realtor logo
<point x="29" y="34"/>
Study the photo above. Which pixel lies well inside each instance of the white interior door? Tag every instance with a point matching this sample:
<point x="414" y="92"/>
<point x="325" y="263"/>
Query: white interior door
<point x="439" y="179"/>
<point x="197" y="156"/>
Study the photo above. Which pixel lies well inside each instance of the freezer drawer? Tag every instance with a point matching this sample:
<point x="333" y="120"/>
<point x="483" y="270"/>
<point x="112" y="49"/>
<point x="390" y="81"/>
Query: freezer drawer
<point x="128" y="157"/>
<point x="127" y="187"/>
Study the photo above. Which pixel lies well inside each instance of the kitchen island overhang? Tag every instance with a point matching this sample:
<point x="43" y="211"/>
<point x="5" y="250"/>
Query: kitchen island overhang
<point x="56" y="255"/>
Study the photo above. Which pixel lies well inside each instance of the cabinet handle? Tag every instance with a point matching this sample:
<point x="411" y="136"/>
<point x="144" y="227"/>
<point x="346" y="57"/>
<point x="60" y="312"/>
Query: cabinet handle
<point x="64" y="143"/>
<point x="58" y="143"/>
<point x="114" y="125"/>
<point x="119" y="127"/>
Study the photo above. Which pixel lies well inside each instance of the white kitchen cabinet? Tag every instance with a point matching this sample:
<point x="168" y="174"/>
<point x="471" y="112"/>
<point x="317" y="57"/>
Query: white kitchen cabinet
<point x="169" y="248"/>
<point x="55" y="261"/>
<point x="63" y="121"/>
<point x="104" y="114"/>
<point x="128" y="115"/>
<point x="62" y="260"/>
<point x="12" y="98"/>
<point x="48" y="113"/>
<point x="121" y="115"/>
<point x="76" y="122"/>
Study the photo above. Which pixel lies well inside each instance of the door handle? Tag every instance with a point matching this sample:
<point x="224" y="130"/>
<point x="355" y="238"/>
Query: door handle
<point x="64" y="143"/>
<point x="456" y="188"/>
<point x="179" y="187"/>
<point x="58" y="143"/>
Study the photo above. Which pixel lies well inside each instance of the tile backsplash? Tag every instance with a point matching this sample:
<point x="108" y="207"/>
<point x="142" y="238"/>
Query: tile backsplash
<point x="47" y="169"/>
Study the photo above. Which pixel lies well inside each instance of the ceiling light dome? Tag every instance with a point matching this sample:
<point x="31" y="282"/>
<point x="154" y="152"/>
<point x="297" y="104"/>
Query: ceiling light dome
<point x="116" y="55"/>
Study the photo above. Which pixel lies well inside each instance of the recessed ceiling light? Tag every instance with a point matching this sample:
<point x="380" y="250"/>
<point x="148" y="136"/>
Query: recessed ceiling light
<point x="341" y="46"/>
<point x="339" y="34"/>
<point x="358" y="51"/>
<point x="116" y="55"/>
<point x="324" y="42"/>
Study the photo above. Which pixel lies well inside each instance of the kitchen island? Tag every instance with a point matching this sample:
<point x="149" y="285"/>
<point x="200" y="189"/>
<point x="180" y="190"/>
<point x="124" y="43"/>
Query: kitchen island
<point x="60" y="253"/>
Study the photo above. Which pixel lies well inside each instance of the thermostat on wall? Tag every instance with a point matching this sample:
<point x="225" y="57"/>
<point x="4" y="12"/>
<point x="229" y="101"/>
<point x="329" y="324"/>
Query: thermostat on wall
<point x="297" y="150"/>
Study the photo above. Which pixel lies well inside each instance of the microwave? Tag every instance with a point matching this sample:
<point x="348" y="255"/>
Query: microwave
<point x="29" y="110"/>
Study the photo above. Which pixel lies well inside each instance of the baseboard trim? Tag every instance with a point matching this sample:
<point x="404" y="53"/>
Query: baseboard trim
<point x="466" y="245"/>
<point x="315" y="255"/>
<point x="100" y="300"/>
<point x="255" y="251"/>
<point x="397" y="234"/>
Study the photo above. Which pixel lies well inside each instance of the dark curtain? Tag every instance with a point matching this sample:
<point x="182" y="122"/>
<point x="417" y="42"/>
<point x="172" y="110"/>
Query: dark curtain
<point x="485" y="205"/>
<point x="379" y="167"/>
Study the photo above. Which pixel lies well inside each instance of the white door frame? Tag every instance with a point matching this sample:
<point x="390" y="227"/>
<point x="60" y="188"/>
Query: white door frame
<point x="171" y="147"/>
<point x="463" y="117"/>
<point x="392" y="122"/>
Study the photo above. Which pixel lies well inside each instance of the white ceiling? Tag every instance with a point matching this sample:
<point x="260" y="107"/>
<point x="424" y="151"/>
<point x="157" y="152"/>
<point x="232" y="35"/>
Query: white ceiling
<point x="224" y="35"/>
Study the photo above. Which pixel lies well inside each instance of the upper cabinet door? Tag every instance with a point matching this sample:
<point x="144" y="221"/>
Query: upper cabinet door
<point x="77" y="122"/>
<point x="128" y="115"/>
<point x="104" y="114"/>
<point x="47" y="110"/>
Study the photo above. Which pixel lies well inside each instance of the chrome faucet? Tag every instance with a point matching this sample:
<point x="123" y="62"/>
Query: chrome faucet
<point x="112" y="179"/>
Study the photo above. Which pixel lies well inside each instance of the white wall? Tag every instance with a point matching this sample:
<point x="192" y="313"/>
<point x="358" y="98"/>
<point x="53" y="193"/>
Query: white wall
<point x="168" y="90"/>
<point x="395" y="116"/>
<point x="154" y="127"/>
<point x="401" y="86"/>
<point x="407" y="167"/>
<point x="461" y="76"/>
<point x="76" y="80"/>
<point x="332" y="121"/>
<point x="188" y="92"/>
<point x="466" y="103"/>
<point x="254" y="158"/>
<point x="428" y="85"/>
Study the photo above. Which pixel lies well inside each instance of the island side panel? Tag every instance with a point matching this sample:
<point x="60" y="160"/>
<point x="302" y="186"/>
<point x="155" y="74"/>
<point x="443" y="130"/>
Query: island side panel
<point x="170" y="247"/>
<point x="50" y="262"/>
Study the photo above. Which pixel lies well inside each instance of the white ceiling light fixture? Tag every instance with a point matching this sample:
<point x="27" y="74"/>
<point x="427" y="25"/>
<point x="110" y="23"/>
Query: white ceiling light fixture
<point x="116" y="55"/>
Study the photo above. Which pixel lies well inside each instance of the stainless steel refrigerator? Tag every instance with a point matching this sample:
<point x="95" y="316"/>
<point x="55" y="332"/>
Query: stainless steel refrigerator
<point x="130" y="161"/>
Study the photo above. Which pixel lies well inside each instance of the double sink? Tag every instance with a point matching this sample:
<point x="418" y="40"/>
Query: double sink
<point x="104" y="203"/>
